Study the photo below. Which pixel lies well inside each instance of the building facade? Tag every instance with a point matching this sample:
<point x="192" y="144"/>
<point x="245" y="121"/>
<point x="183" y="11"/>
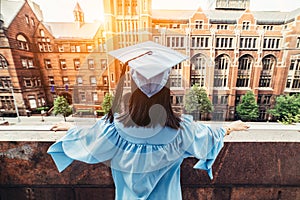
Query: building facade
<point x="231" y="50"/>
<point x="40" y="60"/>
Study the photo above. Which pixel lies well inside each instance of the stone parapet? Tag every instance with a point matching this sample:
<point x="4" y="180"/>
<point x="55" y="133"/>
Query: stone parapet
<point x="260" y="168"/>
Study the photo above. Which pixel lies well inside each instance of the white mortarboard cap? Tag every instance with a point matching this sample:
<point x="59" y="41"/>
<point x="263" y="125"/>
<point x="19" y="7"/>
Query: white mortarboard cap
<point x="150" y="64"/>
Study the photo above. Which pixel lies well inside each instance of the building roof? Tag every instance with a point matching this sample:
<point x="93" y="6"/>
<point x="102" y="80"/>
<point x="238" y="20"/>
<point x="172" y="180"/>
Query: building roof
<point x="223" y="16"/>
<point x="172" y="14"/>
<point x="229" y="16"/>
<point x="69" y="30"/>
<point x="10" y="9"/>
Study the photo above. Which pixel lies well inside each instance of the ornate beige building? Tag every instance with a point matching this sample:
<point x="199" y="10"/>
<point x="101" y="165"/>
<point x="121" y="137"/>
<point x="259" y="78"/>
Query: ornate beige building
<point x="232" y="50"/>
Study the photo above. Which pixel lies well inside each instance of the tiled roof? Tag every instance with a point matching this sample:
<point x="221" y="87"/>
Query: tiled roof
<point x="228" y="16"/>
<point x="71" y="30"/>
<point x="223" y="16"/>
<point x="172" y="14"/>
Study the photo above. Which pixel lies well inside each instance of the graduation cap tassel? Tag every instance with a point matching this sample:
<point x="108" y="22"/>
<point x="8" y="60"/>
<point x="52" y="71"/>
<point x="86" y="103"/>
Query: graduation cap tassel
<point x="119" y="91"/>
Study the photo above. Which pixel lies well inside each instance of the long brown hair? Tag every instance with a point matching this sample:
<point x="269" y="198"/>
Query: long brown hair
<point x="148" y="112"/>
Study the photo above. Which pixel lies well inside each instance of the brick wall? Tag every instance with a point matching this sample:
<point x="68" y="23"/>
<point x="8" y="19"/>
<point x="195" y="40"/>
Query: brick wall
<point x="243" y="170"/>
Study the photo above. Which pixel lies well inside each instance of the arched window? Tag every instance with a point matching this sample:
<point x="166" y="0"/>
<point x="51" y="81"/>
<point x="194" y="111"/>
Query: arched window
<point x="22" y="42"/>
<point x="3" y="62"/>
<point x="266" y="74"/>
<point x="244" y="71"/>
<point x="222" y="64"/>
<point x="198" y="70"/>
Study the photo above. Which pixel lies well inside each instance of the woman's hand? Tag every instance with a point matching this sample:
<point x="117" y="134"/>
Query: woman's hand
<point x="236" y="126"/>
<point x="62" y="126"/>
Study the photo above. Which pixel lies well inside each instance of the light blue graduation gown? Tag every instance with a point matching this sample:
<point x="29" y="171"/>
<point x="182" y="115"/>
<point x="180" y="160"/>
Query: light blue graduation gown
<point x="145" y="162"/>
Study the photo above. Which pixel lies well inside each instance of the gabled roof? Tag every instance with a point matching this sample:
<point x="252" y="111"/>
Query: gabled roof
<point x="69" y="30"/>
<point x="10" y="9"/>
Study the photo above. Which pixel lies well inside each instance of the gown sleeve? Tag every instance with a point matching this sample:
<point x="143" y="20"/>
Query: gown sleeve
<point x="90" y="145"/>
<point x="206" y="144"/>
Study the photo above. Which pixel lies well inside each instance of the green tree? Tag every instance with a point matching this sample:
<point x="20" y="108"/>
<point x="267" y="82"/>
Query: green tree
<point x="196" y="100"/>
<point x="107" y="102"/>
<point x="287" y="109"/>
<point x="61" y="106"/>
<point x="248" y="108"/>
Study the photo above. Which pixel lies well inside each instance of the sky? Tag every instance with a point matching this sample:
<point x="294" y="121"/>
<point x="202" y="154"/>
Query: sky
<point x="62" y="10"/>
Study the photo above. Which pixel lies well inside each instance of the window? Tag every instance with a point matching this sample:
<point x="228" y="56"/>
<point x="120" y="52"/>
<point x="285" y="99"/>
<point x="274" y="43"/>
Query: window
<point x="75" y="48"/>
<point x="51" y="80"/>
<point x="61" y="48"/>
<point x="224" y="100"/>
<point x="63" y="63"/>
<point x="271" y="43"/>
<point x="93" y="80"/>
<point x="65" y="80"/>
<point x="32" y="101"/>
<point x="221" y="71"/>
<point x="27" y="82"/>
<point x="76" y="64"/>
<point x="244" y="71"/>
<point x="22" y="42"/>
<point x="5" y="81"/>
<point x="198" y="24"/>
<point x="27" y="62"/>
<point x="91" y="64"/>
<point x="178" y="100"/>
<point x="248" y="43"/>
<point x="42" y="33"/>
<point x="176" y="41"/>
<point x="7" y="102"/>
<point x="112" y="78"/>
<point x="32" y="21"/>
<point x="105" y="80"/>
<point x="268" y="27"/>
<point x="293" y="80"/>
<point x="3" y="62"/>
<point x="246" y="26"/>
<point x="198" y="70"/>
<point x="82" y="96"/>
<point x="268" y="64"/>
<point x="298" y="43"/>
<point x="175" y="76"/>
<point x="263" y="99"/>
<point x="224" y="43"/>
<point x="44" y="43"/>
<point x="199" y="42"/>
<point x="79" y="80"/>
<point x="215" y="99"/>
<point x="103" y="63"/>
<point x="27" y="19"/>
<point x="95" y="96"/>
<point x="47" y="63"/>
<point x="222" y="26"/>
<point x="89" y="48"/>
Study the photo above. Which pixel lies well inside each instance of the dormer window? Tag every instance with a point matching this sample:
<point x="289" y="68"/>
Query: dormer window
<point x="22" y="43"/>
<point x="246" y="25"/>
